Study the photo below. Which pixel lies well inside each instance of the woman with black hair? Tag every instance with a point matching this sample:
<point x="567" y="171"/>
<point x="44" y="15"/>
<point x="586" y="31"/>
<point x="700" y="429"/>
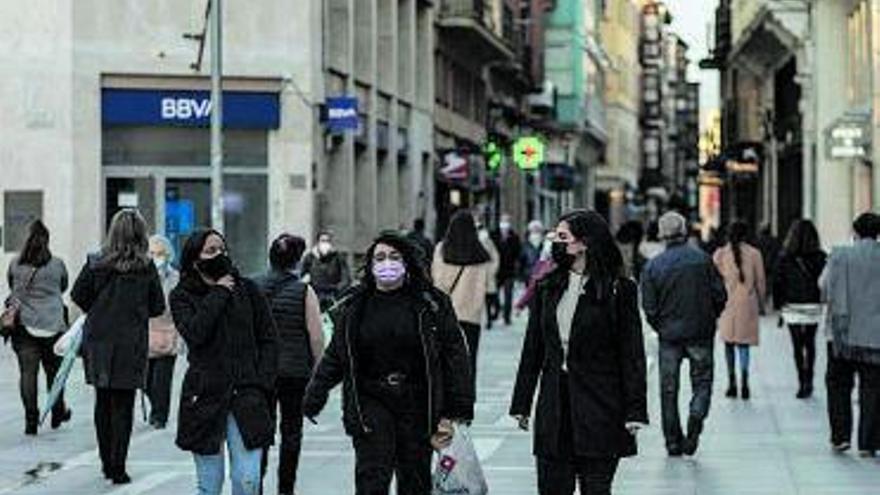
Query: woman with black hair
<point x="403" y="362"/>
<point x="584" y="343"/>
<point x="742" y="268"/>
<point x="37" y="281"/>
<point x="233" y="359"/>
<point x="297" y="314"/>
<point x="463" y="269"/>
<point x="120" y="290"/>
<point x="796" y="293"/>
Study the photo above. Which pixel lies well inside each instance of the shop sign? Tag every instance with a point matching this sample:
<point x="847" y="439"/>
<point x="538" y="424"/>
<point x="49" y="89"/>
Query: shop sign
<point x="849" y="138"/>
<point x="188" y="108"/>
<point x="342" y="114"/>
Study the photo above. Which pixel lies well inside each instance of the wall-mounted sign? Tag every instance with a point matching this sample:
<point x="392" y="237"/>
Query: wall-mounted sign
<point x="455" y="167"/>
<point x="849" y="137"/>
<point x="528" y="153"/>
<point x="342" y="114"/>
<point x="188" y="108"/>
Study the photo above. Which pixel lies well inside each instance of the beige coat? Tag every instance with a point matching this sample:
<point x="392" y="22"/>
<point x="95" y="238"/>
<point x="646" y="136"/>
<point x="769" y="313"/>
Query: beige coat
<point x="741" y="318"/>
<point x="469" y="296"/>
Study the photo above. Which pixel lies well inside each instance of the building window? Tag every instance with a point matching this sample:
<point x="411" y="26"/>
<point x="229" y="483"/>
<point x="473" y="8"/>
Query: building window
<point x="20" y="208"/>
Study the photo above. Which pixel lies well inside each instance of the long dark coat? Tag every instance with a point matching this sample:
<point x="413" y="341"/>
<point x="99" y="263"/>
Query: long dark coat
<point x="233" y="359"/>
<point x="606" y="371"/>
<point x="119" y="305"/>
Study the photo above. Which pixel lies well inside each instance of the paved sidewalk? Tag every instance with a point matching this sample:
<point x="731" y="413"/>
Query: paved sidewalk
<point x="772" y="445"/>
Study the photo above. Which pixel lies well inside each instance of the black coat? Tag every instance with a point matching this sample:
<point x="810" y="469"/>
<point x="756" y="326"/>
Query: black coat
<point x="606" y="371"/>
<point x="233" y="359"/>
<point x="286" y="295"/>
<point x="451" y="393"/>
<point x="329" y="275"/>
<point x="119" y="306"/>
<point x="509" y="253"/>
<point x="797" y="279"/>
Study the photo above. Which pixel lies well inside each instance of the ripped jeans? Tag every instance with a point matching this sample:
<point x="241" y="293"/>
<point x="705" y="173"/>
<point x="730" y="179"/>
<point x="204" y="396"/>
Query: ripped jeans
<point x="244" y="466"/>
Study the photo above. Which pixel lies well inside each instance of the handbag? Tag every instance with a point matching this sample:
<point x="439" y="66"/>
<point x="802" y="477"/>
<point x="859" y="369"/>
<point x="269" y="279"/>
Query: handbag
<point x="11" y="317"/>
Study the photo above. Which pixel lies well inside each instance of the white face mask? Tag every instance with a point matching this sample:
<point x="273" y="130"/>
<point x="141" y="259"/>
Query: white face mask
<point x="536" y="239"/>
<point x="324" y="247"/>
<point x="505" y="226"/>
<point x="483" y="235"/>
<point x="161" y="262"/>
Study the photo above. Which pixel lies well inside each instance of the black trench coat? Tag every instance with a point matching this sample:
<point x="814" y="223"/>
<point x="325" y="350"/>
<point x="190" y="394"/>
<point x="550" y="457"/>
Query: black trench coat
<point x="233" y="360"/>
<point x="606" y="371"/>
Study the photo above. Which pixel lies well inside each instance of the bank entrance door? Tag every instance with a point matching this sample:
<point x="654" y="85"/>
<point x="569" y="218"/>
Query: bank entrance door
<point x="175" y="201"/>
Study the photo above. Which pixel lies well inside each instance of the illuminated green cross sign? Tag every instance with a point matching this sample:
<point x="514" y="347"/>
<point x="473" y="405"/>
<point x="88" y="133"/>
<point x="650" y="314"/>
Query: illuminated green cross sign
<point x="528" y="153"/>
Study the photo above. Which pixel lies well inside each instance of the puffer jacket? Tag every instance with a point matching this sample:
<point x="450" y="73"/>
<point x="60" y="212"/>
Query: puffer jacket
<point x="233" y="358"/>
<point x="451" y="393"/>
<point x="287" y="300"/>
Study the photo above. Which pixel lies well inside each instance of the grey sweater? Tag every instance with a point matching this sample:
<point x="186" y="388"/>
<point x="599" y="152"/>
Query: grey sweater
<point x="852" y="286"/>
<point x="41" y="305"/>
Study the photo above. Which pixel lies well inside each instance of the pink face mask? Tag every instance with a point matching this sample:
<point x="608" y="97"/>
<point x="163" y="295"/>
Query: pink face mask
<point x="389" y="272"/>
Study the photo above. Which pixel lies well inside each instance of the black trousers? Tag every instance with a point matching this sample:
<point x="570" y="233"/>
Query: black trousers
<point x="160" y="372"/>
<point x="701" y="369"/>
<point x="594" y="476"/>
<point x="493" y="307"/>
<point x="803" y="343"/>
<point x="472" y="335"/>
<point x="506" y="287"/>
<point x="114" y="417"/>
<point x="559" y="475"/>
<point x="397" y="445"/>
<point x="31" y="352"/>
<point x="289" y="394"/>
<point x="840" y="378"/>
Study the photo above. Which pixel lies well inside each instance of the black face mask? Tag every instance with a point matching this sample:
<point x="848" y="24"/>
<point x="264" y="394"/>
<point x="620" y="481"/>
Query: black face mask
<point x="559" y="252"/>
<point x="215" y="268"/>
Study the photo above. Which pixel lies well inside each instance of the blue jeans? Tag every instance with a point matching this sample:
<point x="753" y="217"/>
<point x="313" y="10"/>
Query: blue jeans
<point x="244" y="466"/>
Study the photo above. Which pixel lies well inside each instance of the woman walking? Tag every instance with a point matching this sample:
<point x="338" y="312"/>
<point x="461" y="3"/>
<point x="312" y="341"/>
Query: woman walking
<point x="37" y="281"/>
<point x="232" y="351"/>
<point x="164" y="340"/>
<point x="403" y="362"/>
<point x="742" y="268"/>
<point x="462" y="269"/>
<point x="297" y="315"/>
<point x="120" y="291"/>
<point x="584" y="344"/>
<point x="796" y="292"/>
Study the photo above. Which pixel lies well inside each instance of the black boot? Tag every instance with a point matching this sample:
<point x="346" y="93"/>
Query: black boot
<point x="746" y="393"/>
<point x="692" y="441"/>
<point x="802" y="392"/>
<point x="731" y="389"/>
<point x="31" y="420"/>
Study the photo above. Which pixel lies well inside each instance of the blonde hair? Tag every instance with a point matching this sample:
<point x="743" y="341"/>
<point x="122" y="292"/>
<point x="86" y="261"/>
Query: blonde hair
<point x="126" y="246"/>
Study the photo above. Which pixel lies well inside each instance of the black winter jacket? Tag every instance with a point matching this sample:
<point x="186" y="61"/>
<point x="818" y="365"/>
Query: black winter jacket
<point x="451" y="393"/>
<point x="286" y="295"/>
<point x="683" y="294"/>
<point x="329" y="275"/>
<point x="233" y="359"/>
<point x="797" y="279"/>
<point x="606" y="371"/>
<point x="119" y="305"/>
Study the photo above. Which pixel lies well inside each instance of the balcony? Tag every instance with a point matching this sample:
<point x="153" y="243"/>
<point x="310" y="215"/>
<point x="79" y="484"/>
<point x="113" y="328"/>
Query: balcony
<point x="469" y="24"/>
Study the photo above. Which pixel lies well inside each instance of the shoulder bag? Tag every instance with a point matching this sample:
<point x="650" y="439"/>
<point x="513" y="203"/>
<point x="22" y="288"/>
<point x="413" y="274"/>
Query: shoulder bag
<point x="11" y="317"/>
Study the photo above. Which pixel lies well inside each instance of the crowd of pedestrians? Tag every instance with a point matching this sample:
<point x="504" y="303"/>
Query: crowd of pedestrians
<point x="406" y="339"/>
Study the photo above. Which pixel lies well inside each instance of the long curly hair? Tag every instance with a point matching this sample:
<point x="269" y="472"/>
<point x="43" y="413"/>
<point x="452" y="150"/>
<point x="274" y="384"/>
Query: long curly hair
<point x="417" y="276"/>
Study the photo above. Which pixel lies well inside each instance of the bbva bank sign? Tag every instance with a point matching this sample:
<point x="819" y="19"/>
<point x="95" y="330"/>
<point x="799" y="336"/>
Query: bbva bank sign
<point x="188" y="108"/>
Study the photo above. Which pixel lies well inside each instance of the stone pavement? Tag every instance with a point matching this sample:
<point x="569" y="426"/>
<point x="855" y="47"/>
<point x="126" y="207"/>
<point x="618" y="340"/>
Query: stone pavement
<point x="773" y="445"/>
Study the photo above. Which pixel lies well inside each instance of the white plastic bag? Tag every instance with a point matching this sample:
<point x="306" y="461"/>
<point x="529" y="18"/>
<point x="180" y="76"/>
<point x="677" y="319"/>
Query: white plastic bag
<point x="458" y="469"/>
<point x="71" y="335"/>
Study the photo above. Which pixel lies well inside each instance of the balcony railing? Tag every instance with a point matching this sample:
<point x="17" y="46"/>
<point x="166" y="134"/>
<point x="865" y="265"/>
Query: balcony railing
<point x="477" y="10"/>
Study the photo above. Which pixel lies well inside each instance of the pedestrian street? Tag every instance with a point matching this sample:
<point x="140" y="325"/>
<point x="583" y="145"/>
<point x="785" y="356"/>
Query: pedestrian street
<point x="773" y="445"/>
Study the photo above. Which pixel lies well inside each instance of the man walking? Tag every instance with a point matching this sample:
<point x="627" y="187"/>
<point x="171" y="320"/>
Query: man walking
<point x="851" y="285"/>
<point x="510" y="250"/>
<point x="683" y="295"/>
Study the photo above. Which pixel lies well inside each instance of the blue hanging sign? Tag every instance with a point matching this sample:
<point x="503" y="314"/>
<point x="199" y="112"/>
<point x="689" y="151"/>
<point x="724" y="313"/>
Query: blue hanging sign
<point x="188" y="108"/>
<point x="342" y="114"/>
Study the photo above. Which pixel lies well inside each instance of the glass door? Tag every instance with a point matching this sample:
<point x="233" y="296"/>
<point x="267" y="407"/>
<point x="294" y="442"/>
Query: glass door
<point x="131" y="192"/>
<point x="187" y="207"/>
